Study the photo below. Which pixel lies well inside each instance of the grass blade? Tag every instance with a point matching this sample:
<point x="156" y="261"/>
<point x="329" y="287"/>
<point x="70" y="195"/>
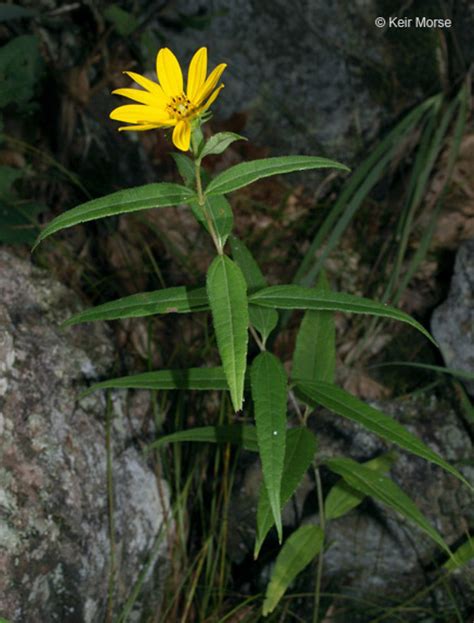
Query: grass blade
<point x="425" y="241"/>
<point x="355" y="191"/>
<point x="460" y="374"/>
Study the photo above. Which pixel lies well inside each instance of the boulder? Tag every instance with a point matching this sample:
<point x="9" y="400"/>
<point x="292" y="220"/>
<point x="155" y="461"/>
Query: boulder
<point x="313" y="77"/>
<point x="55" y="552"/>
<point x="452" y="323"/>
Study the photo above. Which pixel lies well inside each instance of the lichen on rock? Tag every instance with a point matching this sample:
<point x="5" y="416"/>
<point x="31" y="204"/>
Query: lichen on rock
<point x="453" y="321"/>
<point x="54" y="540"/>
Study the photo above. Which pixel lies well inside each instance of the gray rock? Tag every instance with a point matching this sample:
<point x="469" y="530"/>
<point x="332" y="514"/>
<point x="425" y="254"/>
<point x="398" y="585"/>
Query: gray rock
<point x="452" y="323"/>
<point x="313" y="77"/>
<point x="54" y="542"/>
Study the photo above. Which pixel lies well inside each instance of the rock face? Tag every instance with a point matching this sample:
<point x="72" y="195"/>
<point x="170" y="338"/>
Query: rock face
<point x="313" y="77"/>
<point x="453" y="322"/>
<point x="54" y="542"/>
<point x="375" y="554"/>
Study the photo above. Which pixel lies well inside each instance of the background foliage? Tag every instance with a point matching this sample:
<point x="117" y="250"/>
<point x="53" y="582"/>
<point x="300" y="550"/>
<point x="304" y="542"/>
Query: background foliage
<point x="380" y="233"/>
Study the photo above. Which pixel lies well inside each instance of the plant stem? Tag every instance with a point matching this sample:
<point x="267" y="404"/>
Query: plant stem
<point x="258" y="341"/>
<point x="296" y="405"/>
<point x="322" y="523"/>
<point x="110" y="503"/>
<point x="225" y="525"/>
<point x="202" y="205"/>
<point x="426" y="590"/>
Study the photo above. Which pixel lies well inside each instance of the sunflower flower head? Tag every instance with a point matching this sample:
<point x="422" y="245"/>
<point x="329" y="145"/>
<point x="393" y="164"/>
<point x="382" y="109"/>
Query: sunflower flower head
<point x="166" y="104"/>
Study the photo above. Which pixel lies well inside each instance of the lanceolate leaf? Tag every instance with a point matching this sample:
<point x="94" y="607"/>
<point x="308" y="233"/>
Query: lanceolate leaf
<point x="227" y="293"/>
<point x="298" y="297"/>
<point x="264" y="320"/>
<point x="121" y="202"/>
<point x="247" y="172"/>
<point x="461" y="556"/>
<point x="339" y="401"/>
<point x="460" y="374"/>
<point x="13" y="11"/>
<point x="179" y="300"/>
<point x="314" y="358"/>
<point x="237" y="434"/>
<point x="219" y="143"/>
<point x="299" y="453"/>
<point x="249" y="267"/>
<point x="269" y="393"/>
<point x="192" y="378"/>
<point x="342" y="498"/>
<point x="297" y="552"/>
<point x="186" y="168"/>
<point x="381" y="488"/>
<point x="220" y="213"/>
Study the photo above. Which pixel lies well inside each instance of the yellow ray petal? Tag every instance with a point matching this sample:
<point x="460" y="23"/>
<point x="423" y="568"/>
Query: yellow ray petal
<point x="197" y="72"/>
<point x="144" y="97"/>
<point x="212" y="98"/>
<point x="169" y="72"/>
<point x="209" y="85"/>
<point x="133" y="113"/>
<point x="182" y="135"/>
<point x="139" y="128"/>
<point x="149" y="85"/>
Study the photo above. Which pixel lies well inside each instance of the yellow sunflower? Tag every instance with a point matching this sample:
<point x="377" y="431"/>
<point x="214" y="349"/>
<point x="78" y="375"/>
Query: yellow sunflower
<point x="166" y="104"/>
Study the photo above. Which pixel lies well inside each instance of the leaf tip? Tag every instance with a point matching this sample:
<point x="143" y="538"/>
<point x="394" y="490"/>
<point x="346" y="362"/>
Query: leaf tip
<point x="237" y="401"/>
<point x="36" y="244"/>
<point x="279" y="528"/>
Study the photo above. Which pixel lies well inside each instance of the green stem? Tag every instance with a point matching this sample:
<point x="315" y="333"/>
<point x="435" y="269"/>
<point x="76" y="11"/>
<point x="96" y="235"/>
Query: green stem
<point x="322" y="523"/>
<point x="296" y="406"/>
<point x="426" y="590"/>
<point x="202" y="205"/>
<point x="110" y="501"/>
<point x="258" y="341"/>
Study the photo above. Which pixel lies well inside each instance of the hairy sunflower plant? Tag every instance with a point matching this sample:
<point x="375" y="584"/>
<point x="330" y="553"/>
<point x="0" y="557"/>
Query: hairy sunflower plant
<point x="242" y="304"/>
